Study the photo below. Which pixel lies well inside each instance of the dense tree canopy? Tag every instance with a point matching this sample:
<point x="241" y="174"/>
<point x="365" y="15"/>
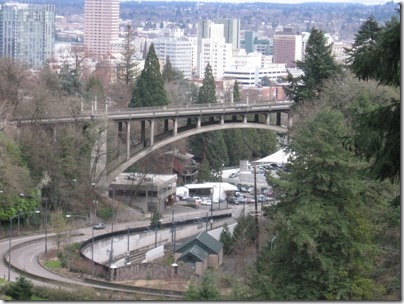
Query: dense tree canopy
<point x="323" y="246"/>
<point x="376" y="55"/>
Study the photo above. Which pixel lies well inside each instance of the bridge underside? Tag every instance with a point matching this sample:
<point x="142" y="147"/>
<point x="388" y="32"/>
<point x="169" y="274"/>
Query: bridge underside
<point x="138" y="138"/>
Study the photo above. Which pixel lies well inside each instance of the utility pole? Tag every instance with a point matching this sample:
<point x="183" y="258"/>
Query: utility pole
<point x="256" y="213"/>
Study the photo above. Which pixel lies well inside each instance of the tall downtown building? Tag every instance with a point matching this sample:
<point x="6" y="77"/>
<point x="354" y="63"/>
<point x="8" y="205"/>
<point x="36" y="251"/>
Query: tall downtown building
<point x="101" y="26"/>
<point x="287" y="48"/>
<point x="212" y="48"/>
<point x="179" y="49"/>
<point x="27" y="33"/>
<point x="231" y="31"/>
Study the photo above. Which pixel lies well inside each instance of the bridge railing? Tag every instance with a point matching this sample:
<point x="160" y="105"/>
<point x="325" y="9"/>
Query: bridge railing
<point x="196" y="106"/>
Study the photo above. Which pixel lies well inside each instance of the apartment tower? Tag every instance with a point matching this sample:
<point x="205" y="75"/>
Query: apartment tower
<point x="27" y="33"/>
<point x="101" y="26"/>
<point x="231" y="31"/>
<point x="287" y="49"/>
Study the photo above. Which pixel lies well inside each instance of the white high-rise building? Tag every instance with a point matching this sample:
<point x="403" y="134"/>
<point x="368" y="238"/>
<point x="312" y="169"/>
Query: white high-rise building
<point x="27" y="33"/>
<point x="212" y="49"/>
<point x="231" y="31"/>
<point x="179" y="50"/>
<point x="101" y="26"/>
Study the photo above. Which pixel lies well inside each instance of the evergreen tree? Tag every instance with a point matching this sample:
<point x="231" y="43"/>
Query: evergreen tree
<point x="149" y="89"/>
<point x="168" y="71"/>
<point x="209" y="146"/>
<point x="155" y="219"/>
<point x="206" y="291"/>
<point x="317" y="66"/>
<point x="128" y="68"/>
<point x="377" y="132"/>
<point x="226" y="239"/>
<point x="207" y="93"/>
<point x="323" y="246"/>
<point x="244" y="232"/>
<point x="236" y="92"/>
<point x="361" y="53"/>
<point x="235" y="141"/>
<point x="204" y="172"/>
<point x="20" y="290"/>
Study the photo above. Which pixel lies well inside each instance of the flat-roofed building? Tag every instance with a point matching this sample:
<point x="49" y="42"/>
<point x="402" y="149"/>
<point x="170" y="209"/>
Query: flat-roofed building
<point x="145" y="192"/>
<point x="287" y="49"/>
<point x="180" y="52"/>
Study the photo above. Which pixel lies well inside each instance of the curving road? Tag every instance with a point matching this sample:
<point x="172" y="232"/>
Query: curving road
<point x="26" y="256"/>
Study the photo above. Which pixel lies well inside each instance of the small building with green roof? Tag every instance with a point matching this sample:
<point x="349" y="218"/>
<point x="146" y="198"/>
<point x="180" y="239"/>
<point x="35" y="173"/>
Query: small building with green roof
<point x="201" y="252"/>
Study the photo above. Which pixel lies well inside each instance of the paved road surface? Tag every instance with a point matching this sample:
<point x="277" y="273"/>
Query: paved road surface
<point x="27" y="256"/>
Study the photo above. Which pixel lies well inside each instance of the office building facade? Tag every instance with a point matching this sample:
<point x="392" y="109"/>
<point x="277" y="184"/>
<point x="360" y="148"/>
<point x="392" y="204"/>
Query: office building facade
<point x="27" y="33"/>
<point x="179" y="51"/>
<point x="212" y="48"/>
<point x="231" y="31"/>
<point x="287" y="48"/>
<point x="101" y="26"/>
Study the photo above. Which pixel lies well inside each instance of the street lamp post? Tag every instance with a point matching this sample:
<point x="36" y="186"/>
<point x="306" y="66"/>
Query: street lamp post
<point x="92" y="251"/>
<point x="75" y="215"/>
<point x="69" y="228"/>
<point x="45" y="224"/>
<point x="9" y="242"/>
<point x="220" y="182"/>
<point x="95" y="202"/>
<point x="211" y="210"/>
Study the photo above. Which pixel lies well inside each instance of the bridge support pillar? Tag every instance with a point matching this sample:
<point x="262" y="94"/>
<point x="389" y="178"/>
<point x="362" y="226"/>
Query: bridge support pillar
<point x="128" y="139"/>
<point x="245" y="119"/>
<point x="278" y="118"/>
<point x="175" y="127"/>
<point x="268" y="119"/>
<point x="222" y="120"/>
<point x="290" y="121"/>
<point x="99" y="158"/>
<point x="120" y="128"/>
<point x="198" y="123"/>
<point x="143" y="133"/>
<point x="152" y="132"/>
<point x="165" y="125"/>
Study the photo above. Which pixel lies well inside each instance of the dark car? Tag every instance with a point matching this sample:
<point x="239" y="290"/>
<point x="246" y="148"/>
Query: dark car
<point x="231" y="200"/>
<point x="99" y="226"/>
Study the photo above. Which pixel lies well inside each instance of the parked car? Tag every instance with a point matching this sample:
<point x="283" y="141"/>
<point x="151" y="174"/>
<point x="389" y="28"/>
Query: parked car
<point x="99" y="226"/>
<point x="240" y="200"/>
<point x="250" y="200"/>
<point x="195" y="199"/>
<point x="206" y="202"/>
<point x="231" y="200"/>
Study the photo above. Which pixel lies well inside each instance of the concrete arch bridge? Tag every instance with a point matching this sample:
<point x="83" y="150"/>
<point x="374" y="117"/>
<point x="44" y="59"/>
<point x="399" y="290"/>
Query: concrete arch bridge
<point x="142" y="131"/>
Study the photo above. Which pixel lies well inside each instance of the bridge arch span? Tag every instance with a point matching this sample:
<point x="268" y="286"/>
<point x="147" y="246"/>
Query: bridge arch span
<point x="161" y="143"/>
